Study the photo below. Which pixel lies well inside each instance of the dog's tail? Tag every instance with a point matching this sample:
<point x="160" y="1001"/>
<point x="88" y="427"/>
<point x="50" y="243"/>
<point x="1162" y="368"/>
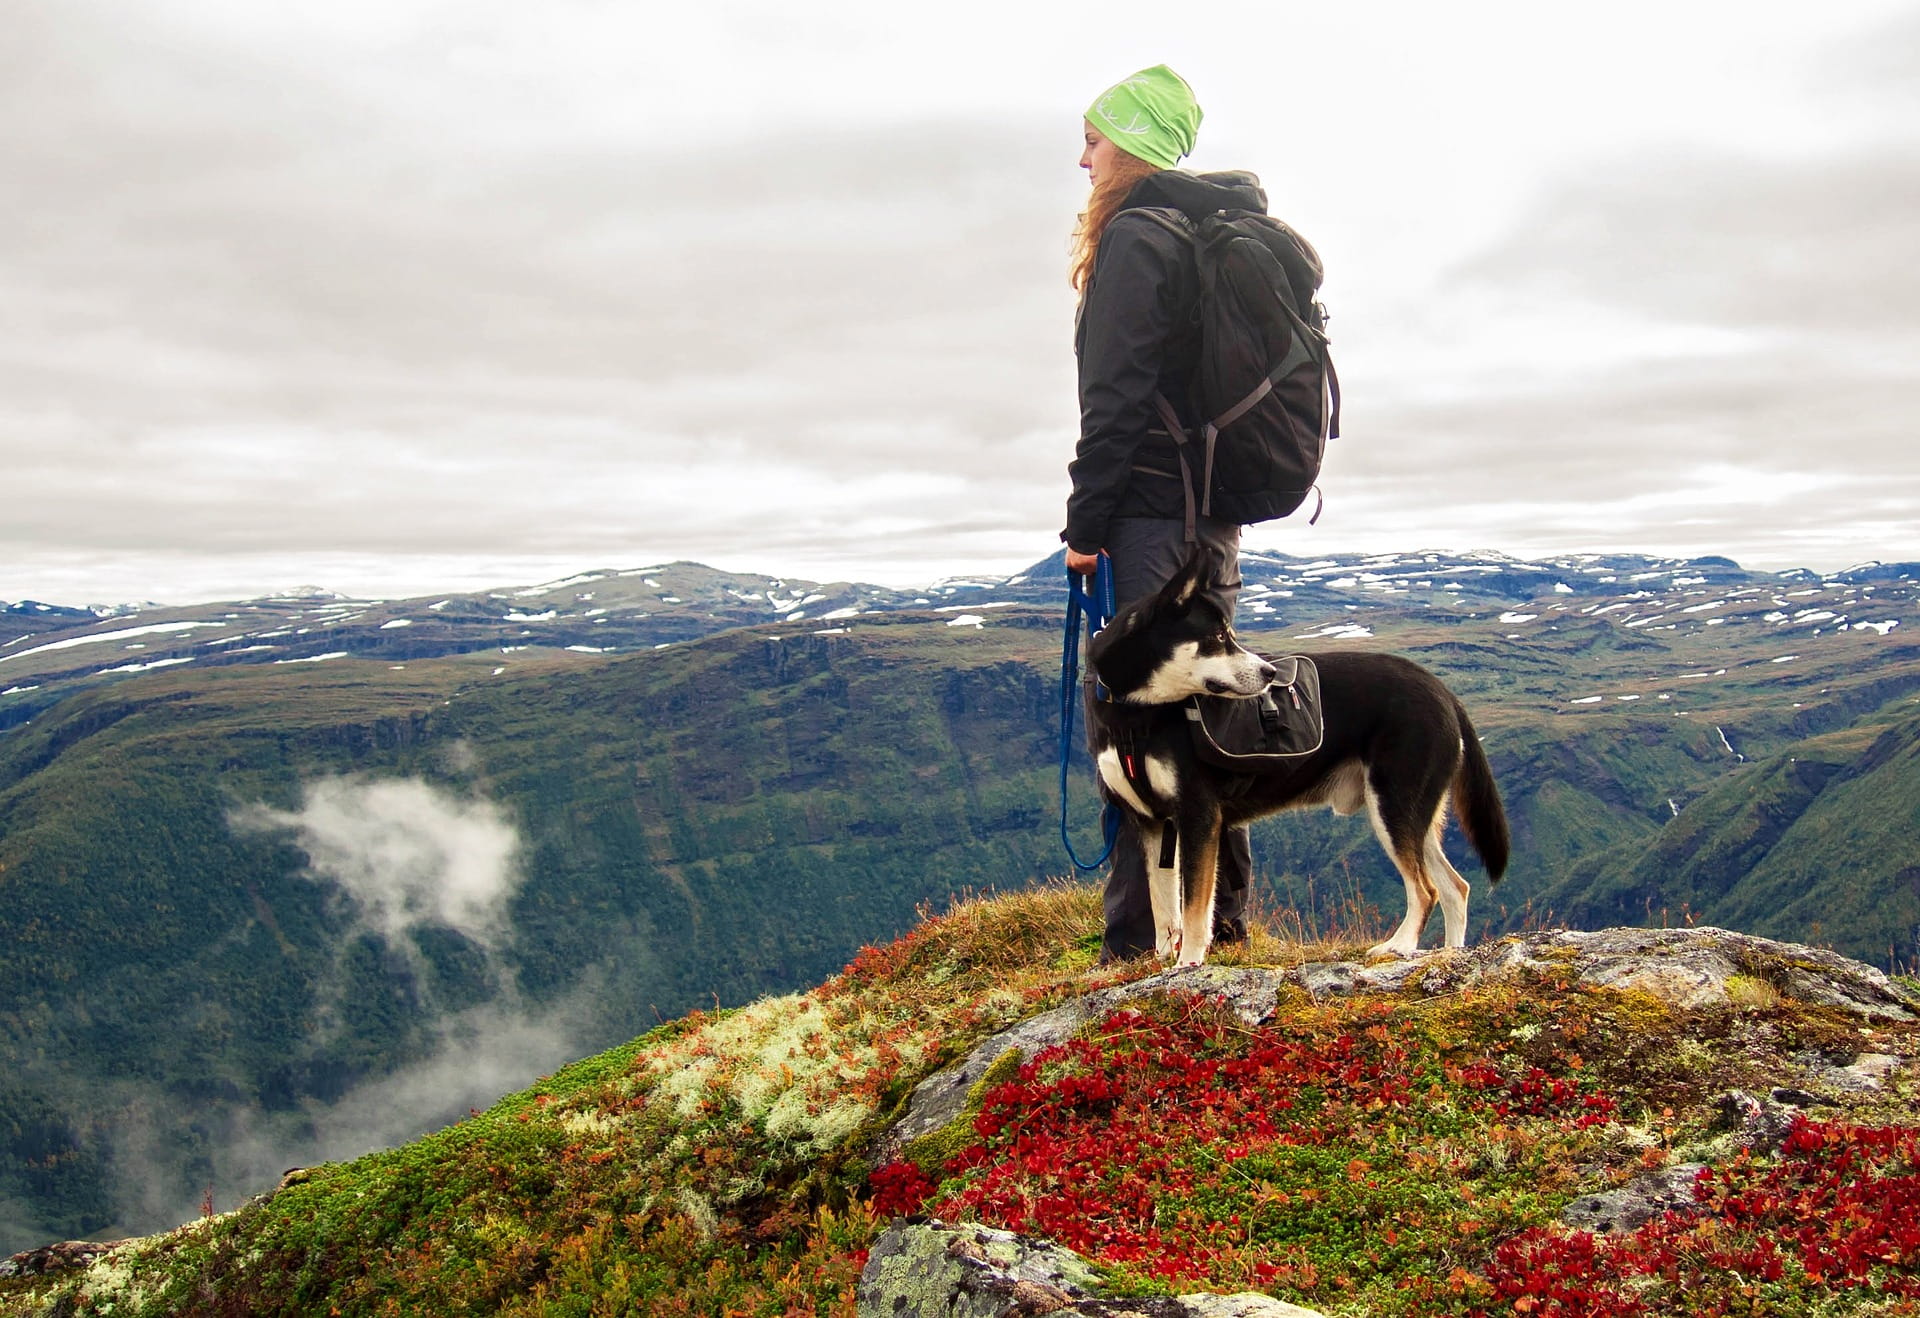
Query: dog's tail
<point x="1477" y="800"/>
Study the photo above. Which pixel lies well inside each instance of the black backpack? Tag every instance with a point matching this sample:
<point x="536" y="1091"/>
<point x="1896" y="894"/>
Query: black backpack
<point x="1264" y="387"/>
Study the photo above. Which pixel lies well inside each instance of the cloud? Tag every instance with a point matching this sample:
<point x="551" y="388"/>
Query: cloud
<point x="1801" y="246"/>
<point x="404" y="854"/>
<point x="1685" y="349"/>
<point x="475" y="1057"/>
<point x="1875" y="74"/>
<point x="302" y="336"/>
<point x="425" y="293"/>
<point x="296" y="304"/>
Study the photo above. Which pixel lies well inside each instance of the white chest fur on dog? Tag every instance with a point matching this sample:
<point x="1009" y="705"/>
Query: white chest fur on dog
<point x="1160" y="777"/>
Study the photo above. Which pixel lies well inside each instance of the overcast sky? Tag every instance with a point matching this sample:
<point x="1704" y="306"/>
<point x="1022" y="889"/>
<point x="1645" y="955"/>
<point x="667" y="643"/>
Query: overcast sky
<point x="404" y="296"/>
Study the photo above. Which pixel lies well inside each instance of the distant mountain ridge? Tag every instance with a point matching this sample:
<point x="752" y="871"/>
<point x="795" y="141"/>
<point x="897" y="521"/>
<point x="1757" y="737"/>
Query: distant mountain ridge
<point x="616" y="611"/>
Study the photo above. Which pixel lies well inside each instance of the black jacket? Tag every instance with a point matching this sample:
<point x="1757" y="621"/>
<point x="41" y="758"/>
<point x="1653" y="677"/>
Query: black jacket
<point x="1135" y="335"/>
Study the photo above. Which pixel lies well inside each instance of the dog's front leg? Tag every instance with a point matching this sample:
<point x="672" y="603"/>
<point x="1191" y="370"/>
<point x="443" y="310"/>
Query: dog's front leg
<point x="1163" y="886"/>
<point x="1199" y="856"/>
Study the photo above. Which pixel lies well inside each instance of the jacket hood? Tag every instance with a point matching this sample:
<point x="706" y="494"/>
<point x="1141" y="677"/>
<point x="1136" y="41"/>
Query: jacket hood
<point x="1200" y="195"/>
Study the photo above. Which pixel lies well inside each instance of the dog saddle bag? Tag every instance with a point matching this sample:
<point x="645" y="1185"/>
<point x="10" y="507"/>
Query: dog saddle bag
<point x="1249" y="735"/>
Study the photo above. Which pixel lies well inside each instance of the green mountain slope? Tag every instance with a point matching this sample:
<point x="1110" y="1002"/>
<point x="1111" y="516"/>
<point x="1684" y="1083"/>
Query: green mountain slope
<point x="1817" y="844"/>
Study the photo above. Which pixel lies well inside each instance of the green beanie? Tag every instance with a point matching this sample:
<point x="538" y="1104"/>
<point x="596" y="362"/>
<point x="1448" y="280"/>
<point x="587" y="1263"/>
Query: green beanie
<point x="1151" y="115"/>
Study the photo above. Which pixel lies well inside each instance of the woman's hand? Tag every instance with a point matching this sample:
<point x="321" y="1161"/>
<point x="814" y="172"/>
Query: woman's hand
<point x="1085" y="564"/>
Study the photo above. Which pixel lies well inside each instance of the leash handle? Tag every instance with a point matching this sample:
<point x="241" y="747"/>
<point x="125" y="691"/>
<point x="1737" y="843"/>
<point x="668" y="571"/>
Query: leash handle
<point x="1097" y="608"/>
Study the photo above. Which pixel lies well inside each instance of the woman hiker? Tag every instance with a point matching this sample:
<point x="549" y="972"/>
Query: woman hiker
<point x="1133" y="337"/>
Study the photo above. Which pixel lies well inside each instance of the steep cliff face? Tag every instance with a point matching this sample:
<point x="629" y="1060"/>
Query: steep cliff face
<point x="1629" y="1121"/>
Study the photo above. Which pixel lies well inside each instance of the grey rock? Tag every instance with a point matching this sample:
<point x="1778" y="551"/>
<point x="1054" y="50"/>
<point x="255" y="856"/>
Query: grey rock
<point x="1328" y="979"/>
<point x="48" y="1260"/>
<point x="1863" y="1073"/>
<point x="1690" y="980"/>
<point x="1686" y="967"/>
<point x="968" y="1272"/>
<point x="1760" y="1123"/>
<point x="1641" y="1200"/>
<point x="1868" y="1071"/>
<point x="938" y="1270"/>
<point x="1247" y="1304"/>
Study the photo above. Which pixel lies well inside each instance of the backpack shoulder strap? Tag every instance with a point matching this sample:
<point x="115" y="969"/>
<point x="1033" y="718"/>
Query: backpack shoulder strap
<point x="1170" y="218"/>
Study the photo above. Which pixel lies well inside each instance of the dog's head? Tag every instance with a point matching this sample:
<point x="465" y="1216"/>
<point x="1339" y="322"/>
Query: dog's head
<point x="1176" y="643"/>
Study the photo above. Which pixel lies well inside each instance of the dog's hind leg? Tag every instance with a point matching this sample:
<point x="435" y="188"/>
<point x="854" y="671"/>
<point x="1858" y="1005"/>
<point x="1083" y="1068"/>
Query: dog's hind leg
<point x="1163" y="885"/>
<point x="1453" y="887"/>
<point x="1409" y="856"/>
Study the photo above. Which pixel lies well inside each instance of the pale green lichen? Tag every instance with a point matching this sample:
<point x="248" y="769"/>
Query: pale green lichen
<point x="590" y="1123"/>
<point x="765" y="1063"/>
<point x="110" y="1281"/>
<point x="698" y="1210"/>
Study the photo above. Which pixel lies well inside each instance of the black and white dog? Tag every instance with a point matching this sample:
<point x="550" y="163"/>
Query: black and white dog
<point x="1397" y="744"/>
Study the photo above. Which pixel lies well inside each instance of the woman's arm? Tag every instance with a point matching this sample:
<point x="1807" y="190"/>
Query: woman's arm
<point x="1132" y="303"/>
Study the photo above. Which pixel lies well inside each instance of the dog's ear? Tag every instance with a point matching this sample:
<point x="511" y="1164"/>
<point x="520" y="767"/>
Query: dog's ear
<point x="1190" y="580"/>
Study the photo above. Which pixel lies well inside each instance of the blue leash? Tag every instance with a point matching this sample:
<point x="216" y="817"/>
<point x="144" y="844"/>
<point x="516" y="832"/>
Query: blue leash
<point x="1098" y="611"/>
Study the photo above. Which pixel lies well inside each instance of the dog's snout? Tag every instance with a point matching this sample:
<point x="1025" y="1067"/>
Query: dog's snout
<point x="1267" y="673"/>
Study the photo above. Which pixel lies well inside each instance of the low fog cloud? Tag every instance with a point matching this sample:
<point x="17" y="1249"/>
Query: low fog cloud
<point x="479" y="1055"/>
<point x="404" y="854"/>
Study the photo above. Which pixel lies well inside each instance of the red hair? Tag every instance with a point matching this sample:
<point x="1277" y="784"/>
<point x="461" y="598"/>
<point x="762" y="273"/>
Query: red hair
<point x="1108" y="195"/>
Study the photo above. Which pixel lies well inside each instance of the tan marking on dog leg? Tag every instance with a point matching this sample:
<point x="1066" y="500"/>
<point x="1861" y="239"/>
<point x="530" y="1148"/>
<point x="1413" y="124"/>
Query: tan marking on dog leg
<point x="1198" y="873"/>
<point x="1345" y="789"/>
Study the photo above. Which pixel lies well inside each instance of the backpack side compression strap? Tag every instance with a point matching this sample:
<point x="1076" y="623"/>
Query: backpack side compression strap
<point x="1171" y="420"/>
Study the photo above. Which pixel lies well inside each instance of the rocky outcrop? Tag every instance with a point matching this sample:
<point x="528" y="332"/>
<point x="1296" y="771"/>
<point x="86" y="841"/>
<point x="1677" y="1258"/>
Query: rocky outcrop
<point x="933" y="1268"/>
<point x="1640" y="1200"/>
<point x="937" y="1270"/>
<point x="1690" y="968"/>
<point x="67" y="1256"/>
